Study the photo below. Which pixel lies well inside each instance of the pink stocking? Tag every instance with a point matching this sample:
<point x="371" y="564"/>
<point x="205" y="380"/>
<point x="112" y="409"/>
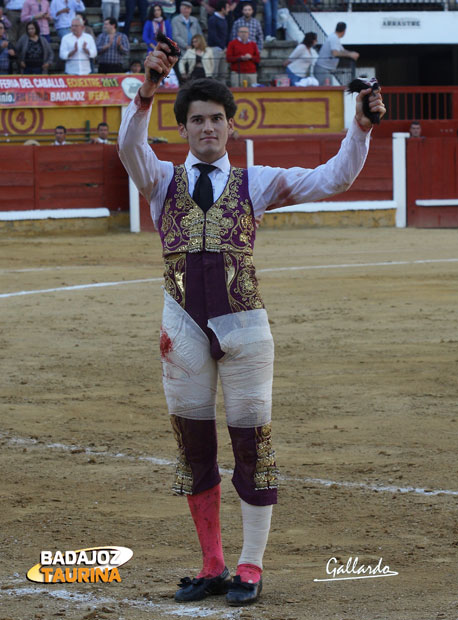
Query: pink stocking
<point x="204" y="509"/>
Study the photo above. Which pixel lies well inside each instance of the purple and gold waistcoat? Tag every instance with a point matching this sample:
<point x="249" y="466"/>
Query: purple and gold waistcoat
<point x="210" y="254"/>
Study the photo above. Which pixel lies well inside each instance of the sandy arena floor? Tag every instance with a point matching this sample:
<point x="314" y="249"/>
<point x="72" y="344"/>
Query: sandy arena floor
<point x="365" y="427"/>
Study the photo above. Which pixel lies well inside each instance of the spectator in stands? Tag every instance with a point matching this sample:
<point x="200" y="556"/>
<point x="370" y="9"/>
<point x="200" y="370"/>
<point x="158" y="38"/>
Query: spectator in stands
<point x="88" y="29"/>
<point x="168" y="7"/>
<point x="330" y="52"/>
<point x="270" y="19"/>
<point x="60" y="136"/>
<point x="6" y="51"/>
<point x="4" y="20"/>
<point x="135" y="67"/>
<point x="299" y="64"/>
<point x="77" y="48"/>
<point x="110" y="8"/>
<point x="13" y="13"/>
<point x="185" y="26"/>
<point x="253" y="25"/>
<point x="243" y="56"/>
<point x="239" y="4"/>
<point x="130" y="9"/>
<point x="33" y="51"/>
<point x="112" y="48"/>
<point x="63" y="12"/>
<point x="197" y="61"/>
<point x="102" y="134"/>
<point x="218" y="34"/>
<point x="155" y="23"/>
<point x="415" y="130"/>
<point x="37" y="10"/>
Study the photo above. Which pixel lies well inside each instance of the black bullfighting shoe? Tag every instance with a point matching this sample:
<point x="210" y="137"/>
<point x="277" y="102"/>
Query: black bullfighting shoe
<point x="198" y="588"/>
<point x="243" y="593"/>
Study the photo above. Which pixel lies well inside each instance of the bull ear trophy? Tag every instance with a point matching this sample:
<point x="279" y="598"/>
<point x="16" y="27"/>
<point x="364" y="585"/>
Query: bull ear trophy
<point x="174" y="50"/>
<point x="356" y="86"/>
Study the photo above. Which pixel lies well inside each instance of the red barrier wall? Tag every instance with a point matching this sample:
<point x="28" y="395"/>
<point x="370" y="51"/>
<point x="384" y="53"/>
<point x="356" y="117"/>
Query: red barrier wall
<point x="71" y="177"/>
<point x="432" y="173"/>
<point x="88" y="176"/>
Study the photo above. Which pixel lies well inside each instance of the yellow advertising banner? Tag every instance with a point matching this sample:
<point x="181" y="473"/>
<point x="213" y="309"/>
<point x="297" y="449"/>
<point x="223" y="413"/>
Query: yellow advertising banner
<point x="266" y="112"/>
<point x="32" y="106"/>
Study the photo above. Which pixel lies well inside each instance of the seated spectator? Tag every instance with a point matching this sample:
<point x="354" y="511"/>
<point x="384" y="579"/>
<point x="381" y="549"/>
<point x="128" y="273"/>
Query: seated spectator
<point x="218" y="34"/>
<point x="77" y="48"/>
<point x="39" y="12"/>
<point x="270" y="19"/>
<point x="243" y="56"/>
<point x="130" y="10"/>
<point x="415" y="130"/>
<point x="135" y="67"/>
<point x="253" y="25"/>
<point x="6" y="51"/>
<point x="184" y="26"/>
<point x="63" y="12"/>
<point x="110" y="8"/>
<point x="155" y="23"/>
<point x="197" y="61"/>
<point x="60" y="135"/>
<point x="112" y="47"/>
<point x="299" y="64"/>
<point x="102" y="134"/>
<point x="33" y="51"/>
<point x="4" y="20"/>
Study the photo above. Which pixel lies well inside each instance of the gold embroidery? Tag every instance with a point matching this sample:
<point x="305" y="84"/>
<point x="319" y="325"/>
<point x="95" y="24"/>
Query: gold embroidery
<point x="266" y="474"/>
<point x="175" y="276"/>
<point x="216" y="225"/>
<point x="241" y="282"/>
<point x="183" y="473"/>
<point x="182" y="225"/>
<point x="227" y="225"/>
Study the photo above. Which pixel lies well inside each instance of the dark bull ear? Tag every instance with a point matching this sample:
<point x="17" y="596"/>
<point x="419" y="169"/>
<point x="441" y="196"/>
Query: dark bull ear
<point x="356" y="86"/>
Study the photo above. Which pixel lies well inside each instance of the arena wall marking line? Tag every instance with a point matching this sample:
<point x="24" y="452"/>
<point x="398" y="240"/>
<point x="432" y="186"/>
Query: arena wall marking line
<point x="20" y="441"/>
<point x="80" y="598"/>
<point x="79" y="287"/>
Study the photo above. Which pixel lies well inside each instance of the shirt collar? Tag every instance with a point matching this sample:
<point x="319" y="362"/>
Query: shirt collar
<point x="222" y="163"/>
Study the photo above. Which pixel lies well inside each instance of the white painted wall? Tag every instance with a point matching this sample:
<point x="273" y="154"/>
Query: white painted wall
<point x="393" y="27"/>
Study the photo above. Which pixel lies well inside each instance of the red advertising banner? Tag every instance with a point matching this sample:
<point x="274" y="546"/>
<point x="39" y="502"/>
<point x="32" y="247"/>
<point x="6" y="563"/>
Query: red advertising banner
<point x="44" y="91"/>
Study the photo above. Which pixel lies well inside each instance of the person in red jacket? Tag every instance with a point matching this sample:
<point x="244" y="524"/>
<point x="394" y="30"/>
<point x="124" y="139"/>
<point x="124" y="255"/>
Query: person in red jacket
<point x="243" y="55"/>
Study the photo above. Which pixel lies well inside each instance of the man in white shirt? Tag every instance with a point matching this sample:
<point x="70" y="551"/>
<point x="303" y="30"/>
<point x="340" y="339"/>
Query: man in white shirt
<point x="60" y="135"/>
<point x="214" y="321"/>
<point x="63" y="12"/>
<point x="77" y="48"/>
<point x="103" y="131"/>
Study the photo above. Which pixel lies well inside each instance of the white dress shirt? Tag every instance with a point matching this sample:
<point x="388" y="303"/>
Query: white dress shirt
<point x="64" y="20"/>
<point x="14" y="5"/>
<point x="268" y="187"/>
<point x="79" y="63"/>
